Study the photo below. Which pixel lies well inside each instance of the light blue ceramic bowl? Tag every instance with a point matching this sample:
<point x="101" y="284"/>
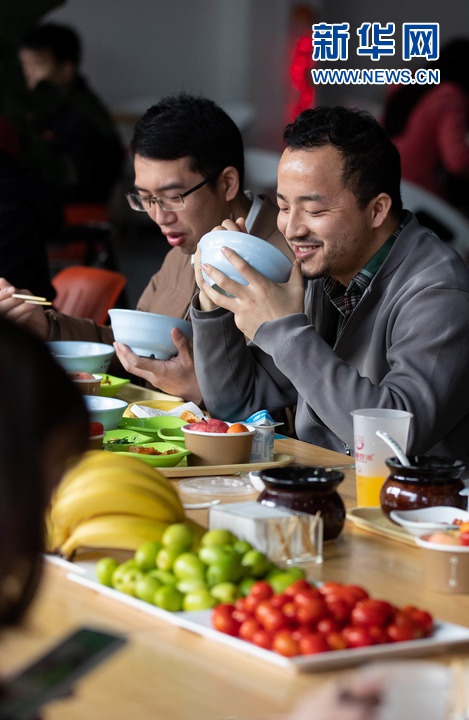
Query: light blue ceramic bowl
<point x="147" y="334"/>
<point x="263" y="256"/>
<point x="82" y="356"/>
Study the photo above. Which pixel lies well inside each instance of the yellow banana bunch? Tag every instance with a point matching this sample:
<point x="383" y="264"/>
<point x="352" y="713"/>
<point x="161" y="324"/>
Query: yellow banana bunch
<point x="121" y="531"/>
<point x="109" y="500"/>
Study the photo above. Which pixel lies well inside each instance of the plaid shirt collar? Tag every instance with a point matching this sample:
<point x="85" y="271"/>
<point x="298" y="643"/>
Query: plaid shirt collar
<point x="346" y="299"/>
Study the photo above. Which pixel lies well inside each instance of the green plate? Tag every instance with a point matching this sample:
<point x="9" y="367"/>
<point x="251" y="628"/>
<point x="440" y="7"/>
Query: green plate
<point x="111" y="385"/>
<point x="151" y="425"/>
<point x="159" y="460"/>
<point x="114" y="440"/>
<point x="174" y="435"/>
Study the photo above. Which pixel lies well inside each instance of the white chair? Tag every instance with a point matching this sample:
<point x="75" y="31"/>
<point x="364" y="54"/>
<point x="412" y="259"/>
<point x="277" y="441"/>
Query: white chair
<point x="448" y="223"/>
<point x="261" y="169"/>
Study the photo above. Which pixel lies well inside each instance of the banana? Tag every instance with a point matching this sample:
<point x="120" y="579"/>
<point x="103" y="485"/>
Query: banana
<point x="111" y="497"/>
<point x="120" y="479"/>
<point x="125" y="532"/>
<point x="109" y="463"/>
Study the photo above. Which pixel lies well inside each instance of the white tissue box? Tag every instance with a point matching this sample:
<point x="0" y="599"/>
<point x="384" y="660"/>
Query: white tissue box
<point x="286" y="537"/>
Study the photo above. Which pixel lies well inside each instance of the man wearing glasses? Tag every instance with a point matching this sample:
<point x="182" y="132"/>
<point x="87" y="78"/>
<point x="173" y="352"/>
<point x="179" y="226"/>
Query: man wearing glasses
<point x="189" y="172"/>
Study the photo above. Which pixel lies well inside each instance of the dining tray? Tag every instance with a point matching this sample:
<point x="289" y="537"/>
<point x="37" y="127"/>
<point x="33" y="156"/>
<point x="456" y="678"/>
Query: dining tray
<point x="373" y="520"/>
<point x="445" y="636"/>
<point x="186" y="471"/>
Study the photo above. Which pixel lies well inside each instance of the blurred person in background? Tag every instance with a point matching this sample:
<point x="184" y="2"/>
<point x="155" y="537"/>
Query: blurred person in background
<point x="429" y="124"/>
<point x="29" y="220"/>
<point x="37" y="396"/>
<point x="68" y="135"/>
<point x="189" y="174"/>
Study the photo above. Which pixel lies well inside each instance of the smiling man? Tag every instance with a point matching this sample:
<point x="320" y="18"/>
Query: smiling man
<point x="189" y="174"/>
<point x="375" y="313"/>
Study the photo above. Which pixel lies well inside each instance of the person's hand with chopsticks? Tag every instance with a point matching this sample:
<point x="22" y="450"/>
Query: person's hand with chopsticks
<point x="25" y="310"/>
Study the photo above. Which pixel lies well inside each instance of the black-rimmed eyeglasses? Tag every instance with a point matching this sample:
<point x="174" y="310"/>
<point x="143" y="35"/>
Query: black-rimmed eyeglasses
<point x="169" y="203"/>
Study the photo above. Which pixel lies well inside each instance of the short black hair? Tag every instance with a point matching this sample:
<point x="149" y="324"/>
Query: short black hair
<point x="372" y="163"/>
<point x="61" y="41"/>
<point x="191" y="126"/>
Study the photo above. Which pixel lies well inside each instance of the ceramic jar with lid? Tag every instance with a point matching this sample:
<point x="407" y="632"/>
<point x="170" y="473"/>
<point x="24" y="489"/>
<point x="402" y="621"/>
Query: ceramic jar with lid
<point x="306" y="489"/>
<point x="430" y="480"/>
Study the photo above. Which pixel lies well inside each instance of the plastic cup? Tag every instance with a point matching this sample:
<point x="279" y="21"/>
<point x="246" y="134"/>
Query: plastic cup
<point x="371" y="451"/>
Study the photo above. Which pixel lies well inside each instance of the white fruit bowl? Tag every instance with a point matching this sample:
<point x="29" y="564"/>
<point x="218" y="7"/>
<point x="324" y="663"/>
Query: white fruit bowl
<point x="263" y="256"/>
<point x="427" y="520"/>
<point x="82" y="356"/>
<point x="147" y="334"/>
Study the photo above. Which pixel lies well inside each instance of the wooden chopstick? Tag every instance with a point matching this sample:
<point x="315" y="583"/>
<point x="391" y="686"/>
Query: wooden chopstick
<point x="32" y="299"/>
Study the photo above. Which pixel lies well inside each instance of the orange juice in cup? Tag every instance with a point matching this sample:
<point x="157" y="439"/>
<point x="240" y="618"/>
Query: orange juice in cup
<point x="371" y="451"/>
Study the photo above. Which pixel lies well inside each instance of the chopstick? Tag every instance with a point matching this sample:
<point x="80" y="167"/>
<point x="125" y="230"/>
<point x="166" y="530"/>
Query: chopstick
<point x="32" y="299"/>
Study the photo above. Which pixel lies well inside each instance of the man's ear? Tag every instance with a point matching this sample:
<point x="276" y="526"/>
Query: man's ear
<point x="229" y="179"/>
<point x="380" y="209"/>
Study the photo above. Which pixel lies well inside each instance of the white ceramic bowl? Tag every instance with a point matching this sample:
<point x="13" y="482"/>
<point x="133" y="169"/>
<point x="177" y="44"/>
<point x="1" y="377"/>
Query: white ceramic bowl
<point x="147" y="334"/>
<point x="263" y="256"/>
<point x="82" y="356"/>
<point x="427" y="520"/>
<point x="105" y="410"/>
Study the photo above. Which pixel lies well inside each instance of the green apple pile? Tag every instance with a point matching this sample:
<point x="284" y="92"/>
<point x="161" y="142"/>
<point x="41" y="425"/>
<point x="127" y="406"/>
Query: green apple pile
<point x="181" y="573"/>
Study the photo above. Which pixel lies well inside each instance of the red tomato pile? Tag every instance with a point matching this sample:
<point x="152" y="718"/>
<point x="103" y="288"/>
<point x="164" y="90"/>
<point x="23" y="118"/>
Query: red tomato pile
<point x="304" y="619"/>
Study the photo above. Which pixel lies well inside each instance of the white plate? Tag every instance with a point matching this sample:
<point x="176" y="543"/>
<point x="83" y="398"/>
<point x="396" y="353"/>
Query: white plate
<point x="425" y="520"/>
<point x="445" y="635"/>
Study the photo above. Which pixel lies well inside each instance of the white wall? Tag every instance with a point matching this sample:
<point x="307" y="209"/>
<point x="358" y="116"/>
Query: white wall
<point x="234" y="51"/>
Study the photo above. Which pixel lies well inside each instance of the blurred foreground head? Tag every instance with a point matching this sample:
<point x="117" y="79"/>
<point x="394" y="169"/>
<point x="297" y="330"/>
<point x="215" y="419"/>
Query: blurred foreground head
<point x="44" y="426"/>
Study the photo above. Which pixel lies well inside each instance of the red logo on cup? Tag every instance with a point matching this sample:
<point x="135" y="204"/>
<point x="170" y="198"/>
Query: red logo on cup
<point x="359" y="442"/>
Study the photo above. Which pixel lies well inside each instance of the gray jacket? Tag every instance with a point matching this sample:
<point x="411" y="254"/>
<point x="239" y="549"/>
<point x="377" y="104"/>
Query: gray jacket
<point x="405" y="346"/>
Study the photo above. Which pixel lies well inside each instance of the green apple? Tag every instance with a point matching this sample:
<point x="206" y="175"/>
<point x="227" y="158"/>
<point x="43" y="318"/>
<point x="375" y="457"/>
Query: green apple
<point x="145" y="555"/>
<point x="212" y="554"/>
<point x="225" y="592"/>
<point x="167" y="555"/>
<point x="227" y="568"/>
<point x="189" y="584"/>
<point x="125" y="576"/>
<point x="146" y="587"/>
<point x="218" y="536"/>
<point x="164" y="576"/>
<point x="256" y="563"/>
<point x="104" y="570"/>
<point x="242" y="546"/>
<point x="199" y="599"/>
<point x="168" y="597"/>
<point x="280" y="581"/>
<point x="178" y="534"/>
<point x="188" y="565"/>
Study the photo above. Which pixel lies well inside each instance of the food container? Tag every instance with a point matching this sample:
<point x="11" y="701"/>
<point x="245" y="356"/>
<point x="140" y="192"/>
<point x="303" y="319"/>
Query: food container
<point x="306" y="490"/>
<point x="213" y="448"/>
<point x="87" y="383"/>
<point x="445" y="567"/>
<point x="430" y="480"/>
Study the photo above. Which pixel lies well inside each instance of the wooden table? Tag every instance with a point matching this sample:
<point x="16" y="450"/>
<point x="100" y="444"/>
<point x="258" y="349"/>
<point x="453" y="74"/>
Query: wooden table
<point x="168" y="673"/>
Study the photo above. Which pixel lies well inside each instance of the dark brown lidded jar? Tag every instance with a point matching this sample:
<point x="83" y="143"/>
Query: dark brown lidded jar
<point x="430" y="480"/>
<point x="306" y="489"/>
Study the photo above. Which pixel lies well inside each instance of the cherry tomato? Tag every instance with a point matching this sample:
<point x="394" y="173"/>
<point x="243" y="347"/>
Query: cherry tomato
<point x="329" y="587"/>
<point x="464" y="538"/>
<point x="95" y="428"/>
<point x="313" y="643"/>
<point x="311" y="611"/>
<point x="297" y="585"/>
<point x="271" y="618"/>
<point x="262" y="638"/>
<point x="371" y="612"/>
<point x="378" y="634"/>
<point x="327" y="625"/>
<point x="336" y="640"/>
<point x="421" y="618"/>
<point x="284" y="643"/>
<point x="403" y="631"/>
<point x="247" y="629"/>
<point x="338" y="609"/>
<point x="223" y="620"/>
<point x="261" y="590"/>
<point x="280" y="600"/>
<point x="356" y="636"/>
<point x="356" y="591"/>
